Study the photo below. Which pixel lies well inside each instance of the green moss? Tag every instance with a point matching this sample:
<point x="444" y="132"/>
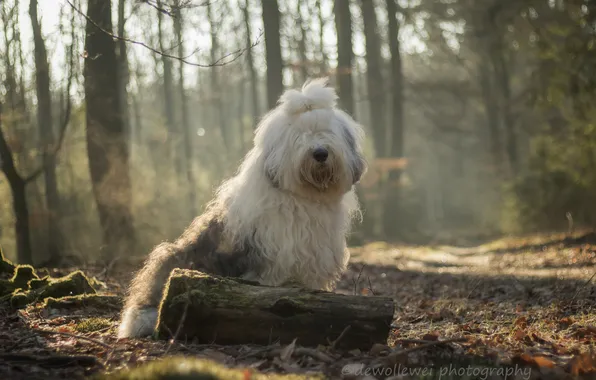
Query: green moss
<point x="22" y="275"/>
<point x="92" y="324"/>
<point x="6" y="287"/>
<point x="99" y="301"/>
<point x="38" y="283"/>
<point x="74" y="284"/>
<point x="179" y="368"/>
<point x="20" y="299"/>
<point x="20" y="278"/>
<point x="97" y="284"/>
<point x="6" y="266"/>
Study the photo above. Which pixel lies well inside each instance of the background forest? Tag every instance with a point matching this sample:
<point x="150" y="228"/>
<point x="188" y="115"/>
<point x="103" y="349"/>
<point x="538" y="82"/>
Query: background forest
<point x="118" y="118"/>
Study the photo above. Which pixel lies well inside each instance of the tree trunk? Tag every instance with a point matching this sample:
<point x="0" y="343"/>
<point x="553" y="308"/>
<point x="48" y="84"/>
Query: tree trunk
<point x="480" y="36"/>
<point x="216" y="88"/>
<point x="137" y="135"/>
<point x="19" y="200"/>
<point x="271" y="25"/>
<point x="227" y="311"/>
<point x="321" y="41"/>
<point x="241" y="132"/>
<point x="106" y="137"/>
<point x="496" y="51"/>
<point x="168" y="97"/>
<point x="391" y="209"/>
<point x="254" y="93"/>
<point x="9" y="20"/>
<point x="46" y="134"/>
<point x="123" y="72"/>
<point x="187" y="133"/>
<point x="301" y="42"/>
<point x="374" y="76"/>
<point x="492" y="116"/>
<point x="345" y="55"/>
<point x="503" y="78"/>
<point x="345" y="86"/>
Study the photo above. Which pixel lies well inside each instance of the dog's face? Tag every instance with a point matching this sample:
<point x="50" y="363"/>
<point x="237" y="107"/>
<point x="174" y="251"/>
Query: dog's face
<point x="316" y="152"/>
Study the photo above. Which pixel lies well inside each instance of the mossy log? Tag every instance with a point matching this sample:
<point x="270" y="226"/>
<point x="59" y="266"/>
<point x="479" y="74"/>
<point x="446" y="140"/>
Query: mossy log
<point x="6" y="266"/>
<point x="76" y="283"/>
<point x="231" y="311"/>
<point x="99" y="301"/>
<point x="184" y="368"/>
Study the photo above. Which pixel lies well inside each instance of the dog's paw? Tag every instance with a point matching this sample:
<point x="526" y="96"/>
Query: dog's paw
<point x="137" y="323"/>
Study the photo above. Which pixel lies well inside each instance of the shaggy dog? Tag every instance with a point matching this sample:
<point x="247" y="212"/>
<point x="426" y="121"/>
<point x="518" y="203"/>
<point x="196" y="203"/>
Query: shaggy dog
<point x="282" y="219"/>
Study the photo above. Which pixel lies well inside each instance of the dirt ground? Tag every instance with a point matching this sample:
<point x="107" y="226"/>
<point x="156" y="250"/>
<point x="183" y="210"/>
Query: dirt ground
<point x="522" y="308"/>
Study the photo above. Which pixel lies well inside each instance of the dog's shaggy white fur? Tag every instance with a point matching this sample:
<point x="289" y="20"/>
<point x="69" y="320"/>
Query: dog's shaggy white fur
<point x="283" y="218"/>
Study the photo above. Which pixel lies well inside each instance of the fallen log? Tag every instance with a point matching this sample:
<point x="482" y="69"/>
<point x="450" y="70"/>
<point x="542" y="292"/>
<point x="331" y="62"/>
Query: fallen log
<point x="232" y="311"/>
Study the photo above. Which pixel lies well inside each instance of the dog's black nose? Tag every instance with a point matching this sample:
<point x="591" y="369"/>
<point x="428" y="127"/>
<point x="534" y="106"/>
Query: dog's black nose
<point x="320" y="154"/>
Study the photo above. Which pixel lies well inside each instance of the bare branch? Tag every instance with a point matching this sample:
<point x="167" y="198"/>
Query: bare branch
<point x="174" y="9"/>
<point x="225" y="60"/>
<point x="65" y="116"/>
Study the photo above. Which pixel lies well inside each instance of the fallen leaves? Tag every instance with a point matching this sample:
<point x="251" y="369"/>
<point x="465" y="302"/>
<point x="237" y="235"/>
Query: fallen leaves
<point x="501" y="320"/>
<point x="521" y="322"/>
<point x="537" y="361"/>
<point x="582" y="364"/>
<point x="519" y="335"/>
<point x="585" y="333"/>
<point x="433" y="336"/>
<point x="566" y="322"/>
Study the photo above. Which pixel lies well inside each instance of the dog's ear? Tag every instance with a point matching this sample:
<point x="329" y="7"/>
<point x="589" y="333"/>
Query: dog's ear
<point x="358" y="162"/>
<point x="358" y="168"/>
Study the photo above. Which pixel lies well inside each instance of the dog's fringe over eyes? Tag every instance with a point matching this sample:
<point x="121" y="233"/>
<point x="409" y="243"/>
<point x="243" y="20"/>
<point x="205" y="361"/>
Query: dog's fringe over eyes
<point x="283" y="217"/>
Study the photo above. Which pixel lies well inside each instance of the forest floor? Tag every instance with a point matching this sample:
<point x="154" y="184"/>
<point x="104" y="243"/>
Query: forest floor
<point x="522" y="308"/>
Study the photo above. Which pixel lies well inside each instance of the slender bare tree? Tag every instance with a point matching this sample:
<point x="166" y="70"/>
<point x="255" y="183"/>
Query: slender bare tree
<point x="106" y="136"/>
<point x="391" y="209"/>
<point x="254" y="92"/>
<point x="216" y="86"/>
<point x="174" y="136"/>
<point x="46" y="133"/>
<point x="19" y="199"/>
<point x="271" y="23"/>
<point x="185" y="122"/>
<point x="345" y="55"/>
<point x="374" y="76"/>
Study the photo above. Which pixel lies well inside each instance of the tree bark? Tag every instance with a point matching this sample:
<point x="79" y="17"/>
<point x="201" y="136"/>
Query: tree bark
<point x="9" y="21"/>
<point x="168" y="98"/>
<point x="391" y="209"/>
<point x="228" y="311"/>
<point x="244" y="145"/>
<point x="492" y="115"/>
<point x="374" y="76"/>
<point x="19" y="200"/>
<point x="107" y="147"/>
<point x="254" y="93"/>
<point x="345" y="55"/>
<point x="186" y="132"/>
<point x="271" y="24"/>
<point x="123" y="71"/>
<point x="321" y="40"/>
<point x="503" y="78"/>
<point x="216" y="88"/>
<point x="46" y="133"/>
<point x="301" y="42"/>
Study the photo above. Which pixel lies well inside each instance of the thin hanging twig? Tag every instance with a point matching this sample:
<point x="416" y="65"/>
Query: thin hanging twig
<point x="219" y="62"/>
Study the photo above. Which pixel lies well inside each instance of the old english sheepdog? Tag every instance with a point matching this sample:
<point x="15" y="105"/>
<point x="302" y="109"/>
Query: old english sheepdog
<point x="282" y="219"/>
